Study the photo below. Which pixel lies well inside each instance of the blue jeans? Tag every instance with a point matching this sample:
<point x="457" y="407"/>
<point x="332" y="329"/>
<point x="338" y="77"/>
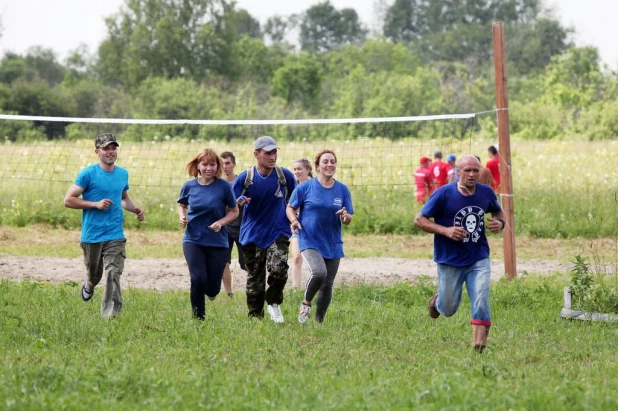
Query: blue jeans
<point x="450" y="284"/>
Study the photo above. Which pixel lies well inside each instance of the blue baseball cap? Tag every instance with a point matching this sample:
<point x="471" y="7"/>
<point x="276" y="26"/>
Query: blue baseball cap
<point x="451" y="157"/>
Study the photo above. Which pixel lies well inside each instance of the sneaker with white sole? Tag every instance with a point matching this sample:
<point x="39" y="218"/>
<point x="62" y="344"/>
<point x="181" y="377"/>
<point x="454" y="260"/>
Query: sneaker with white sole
<point x="86" y="292"/>
<point x="275" y="313"/>
<point x="304" y="314"/>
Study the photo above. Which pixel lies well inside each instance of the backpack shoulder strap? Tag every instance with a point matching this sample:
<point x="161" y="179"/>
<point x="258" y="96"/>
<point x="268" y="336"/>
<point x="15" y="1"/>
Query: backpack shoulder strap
<point x="282" y="181"/>
<point x="248" y="180"/>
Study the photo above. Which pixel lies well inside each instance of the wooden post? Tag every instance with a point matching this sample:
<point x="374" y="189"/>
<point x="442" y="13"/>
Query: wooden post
<point x="504" y="152"/>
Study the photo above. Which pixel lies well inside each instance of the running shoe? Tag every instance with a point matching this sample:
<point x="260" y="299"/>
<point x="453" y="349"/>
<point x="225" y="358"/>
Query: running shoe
<point x="433" y="311"/>
<point x="86" y="292"/>
<point x="304" y="314"/>
<point x="275" y="313"/>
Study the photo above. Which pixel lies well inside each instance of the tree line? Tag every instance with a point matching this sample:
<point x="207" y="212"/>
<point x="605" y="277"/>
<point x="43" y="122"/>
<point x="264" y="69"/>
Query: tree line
<point x="208" y="59"/>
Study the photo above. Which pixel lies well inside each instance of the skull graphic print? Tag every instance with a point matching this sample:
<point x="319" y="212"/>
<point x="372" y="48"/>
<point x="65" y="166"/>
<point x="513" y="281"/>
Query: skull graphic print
<point x="472" y="219"/>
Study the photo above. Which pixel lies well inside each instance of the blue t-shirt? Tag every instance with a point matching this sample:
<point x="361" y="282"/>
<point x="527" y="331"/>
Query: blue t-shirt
<point x="234" y="226"/>
<point x="102" y="225"/>
<point x="321" y="227"/>
<point x="264" y="218"/>
<point x="448" y="207"/>
<point x="207" y="204"/>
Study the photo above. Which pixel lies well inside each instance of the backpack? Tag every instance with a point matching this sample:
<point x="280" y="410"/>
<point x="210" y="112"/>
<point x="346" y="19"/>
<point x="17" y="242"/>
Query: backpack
<point x="280" y="177"/>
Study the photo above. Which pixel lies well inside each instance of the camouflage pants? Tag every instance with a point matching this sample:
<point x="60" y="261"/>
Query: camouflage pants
<point x="273" y="259"/>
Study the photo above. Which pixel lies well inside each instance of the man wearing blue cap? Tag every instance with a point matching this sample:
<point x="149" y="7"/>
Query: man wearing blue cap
<point x="453" y="173"/>
<point x="263" y="190"/>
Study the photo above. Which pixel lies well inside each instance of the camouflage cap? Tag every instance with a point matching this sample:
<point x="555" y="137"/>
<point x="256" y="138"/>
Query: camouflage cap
<point x="104" y="140"/>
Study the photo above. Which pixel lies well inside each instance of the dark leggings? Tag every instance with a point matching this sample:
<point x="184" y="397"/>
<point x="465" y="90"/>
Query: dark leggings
<point x="241" y="258"/>
<point x="206" y="265"/>
<point x="322" y="272"/>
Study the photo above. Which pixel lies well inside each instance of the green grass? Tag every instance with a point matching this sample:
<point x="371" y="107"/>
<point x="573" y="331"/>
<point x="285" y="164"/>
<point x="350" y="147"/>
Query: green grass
<point x="377" y="350"/>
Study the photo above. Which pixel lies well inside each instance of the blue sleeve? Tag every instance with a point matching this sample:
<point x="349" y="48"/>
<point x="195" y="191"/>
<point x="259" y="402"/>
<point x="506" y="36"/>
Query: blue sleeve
<point x="494" y="206"/>
<point x="230" y="198"/>
<point x="433" y="206"/>
<point x="184" y="195"/>
<point x="83" y="179"/>
<point x="126" y="174"/>
<point x="347" y="200"/>
<point x="239" y="183"/>
<point x="297" y="197"/>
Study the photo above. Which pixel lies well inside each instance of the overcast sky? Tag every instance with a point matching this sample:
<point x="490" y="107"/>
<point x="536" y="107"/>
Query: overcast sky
<point x="65" y="24"/>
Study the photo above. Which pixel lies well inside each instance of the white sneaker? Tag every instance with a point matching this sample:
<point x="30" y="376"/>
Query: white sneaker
<point x="304" y="314"/>
<point x="87" y="292"/>
<point x="275" y="313"/>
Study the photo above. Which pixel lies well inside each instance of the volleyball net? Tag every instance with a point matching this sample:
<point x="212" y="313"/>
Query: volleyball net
<point x="371" y="151"/>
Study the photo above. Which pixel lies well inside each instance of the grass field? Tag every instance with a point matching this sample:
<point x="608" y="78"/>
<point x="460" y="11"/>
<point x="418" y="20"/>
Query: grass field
<point x="378" y="349"/>
<point x="561" y="189"/>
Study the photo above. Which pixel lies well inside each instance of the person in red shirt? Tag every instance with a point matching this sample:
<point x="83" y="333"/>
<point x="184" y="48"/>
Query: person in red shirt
<point x="424" y="180"/>
<point x="439" y="169"/>
<point x="493" y="165"/>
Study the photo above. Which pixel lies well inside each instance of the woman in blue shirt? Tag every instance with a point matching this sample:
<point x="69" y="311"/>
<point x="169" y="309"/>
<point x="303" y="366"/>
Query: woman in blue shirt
<point x="303" y="172"/>
<point x="322" y="205"/>
<point x="206" y="204"/>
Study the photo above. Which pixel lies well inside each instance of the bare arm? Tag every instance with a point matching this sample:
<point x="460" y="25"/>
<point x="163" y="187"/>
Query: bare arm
<point x="345" y="217"/>
<point x="427" y="225"/>
<point x="232" y="214"/>
<point x="497" y="222"/>
<point x="292" y="214"/>
<point x="182" y="214"/>
<point x="128" y="205"/>
<point x="485" y="177"/>
<point x="72" y="200"/>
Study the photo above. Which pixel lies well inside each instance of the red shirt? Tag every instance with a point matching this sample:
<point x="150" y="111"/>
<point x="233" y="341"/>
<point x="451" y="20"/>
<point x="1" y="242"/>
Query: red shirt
<point x="423" y="179"/>
<point x="439" y="169"/>
<point x="493" y="165"/>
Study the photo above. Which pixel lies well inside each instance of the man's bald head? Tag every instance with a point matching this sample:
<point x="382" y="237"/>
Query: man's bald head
<point x="469" y="160"/>
<point x="469" y="169"/>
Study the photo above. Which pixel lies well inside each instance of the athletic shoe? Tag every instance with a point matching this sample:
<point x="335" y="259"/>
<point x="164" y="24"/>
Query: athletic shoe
<point x="304" y="314"/>
<point x="86" y="292"/>
<point x="433" y="311"/>
<point x="275" y="313"/>
<point x="212" y="298"/>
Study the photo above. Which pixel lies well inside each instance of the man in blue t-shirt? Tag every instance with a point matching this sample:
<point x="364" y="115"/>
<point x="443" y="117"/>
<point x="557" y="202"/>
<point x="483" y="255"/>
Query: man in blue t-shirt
<point x="103" y="189"/>
<point x="460" y="245"/>
<point x="265" y="231"/>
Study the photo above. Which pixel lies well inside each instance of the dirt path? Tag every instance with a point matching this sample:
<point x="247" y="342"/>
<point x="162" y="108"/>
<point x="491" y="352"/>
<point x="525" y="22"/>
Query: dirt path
<point x="167" y="274"/>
